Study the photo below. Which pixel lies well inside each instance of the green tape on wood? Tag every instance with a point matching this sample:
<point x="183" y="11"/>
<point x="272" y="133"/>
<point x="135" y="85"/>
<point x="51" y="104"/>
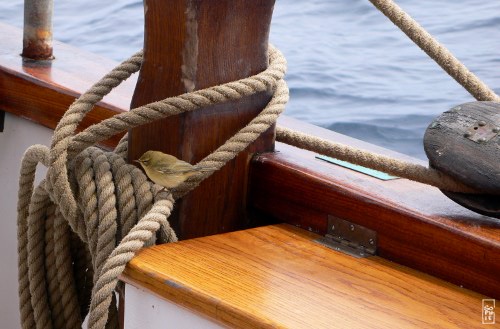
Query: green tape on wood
<point x="361" y="169"/>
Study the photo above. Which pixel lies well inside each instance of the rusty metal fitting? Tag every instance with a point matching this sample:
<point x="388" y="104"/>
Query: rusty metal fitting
<point x="37" y="38"/>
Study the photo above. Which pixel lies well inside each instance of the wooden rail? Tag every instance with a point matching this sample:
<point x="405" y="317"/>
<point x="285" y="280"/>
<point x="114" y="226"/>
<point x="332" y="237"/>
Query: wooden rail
<point x="417" y="225"/>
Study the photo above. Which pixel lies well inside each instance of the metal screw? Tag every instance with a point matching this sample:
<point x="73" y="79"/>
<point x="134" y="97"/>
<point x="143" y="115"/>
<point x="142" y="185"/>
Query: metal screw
<point x="481" y="123"/>
<point x="496" y="129"/>
<point x="481" y="140"/>
<point x="351" y="227"/>
<point x="371" y="241"/>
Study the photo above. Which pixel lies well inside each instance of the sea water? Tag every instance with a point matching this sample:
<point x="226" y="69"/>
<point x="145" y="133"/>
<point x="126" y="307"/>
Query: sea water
<point x="350" y="69"/>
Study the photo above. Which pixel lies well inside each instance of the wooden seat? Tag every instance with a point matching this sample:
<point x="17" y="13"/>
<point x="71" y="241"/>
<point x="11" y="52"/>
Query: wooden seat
<point x="278" y="276"/>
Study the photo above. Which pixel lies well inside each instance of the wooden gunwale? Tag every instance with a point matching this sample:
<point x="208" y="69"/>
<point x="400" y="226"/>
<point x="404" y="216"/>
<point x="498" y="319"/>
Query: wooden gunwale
<point x="417" y="226"/>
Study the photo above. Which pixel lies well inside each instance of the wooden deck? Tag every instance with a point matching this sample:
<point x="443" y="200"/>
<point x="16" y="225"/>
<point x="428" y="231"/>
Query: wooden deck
<point x="279" y="277"/>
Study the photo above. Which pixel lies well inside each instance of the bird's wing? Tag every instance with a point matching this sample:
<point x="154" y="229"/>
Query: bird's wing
<point x="179" y="167"/>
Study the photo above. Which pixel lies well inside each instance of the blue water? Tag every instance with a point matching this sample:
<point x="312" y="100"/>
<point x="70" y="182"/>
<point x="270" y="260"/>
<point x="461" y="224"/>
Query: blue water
<point x="350" y="69"/>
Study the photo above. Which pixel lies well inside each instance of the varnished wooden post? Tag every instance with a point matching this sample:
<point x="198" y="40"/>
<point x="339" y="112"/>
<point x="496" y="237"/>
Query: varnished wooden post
<point x="190" y="45"/>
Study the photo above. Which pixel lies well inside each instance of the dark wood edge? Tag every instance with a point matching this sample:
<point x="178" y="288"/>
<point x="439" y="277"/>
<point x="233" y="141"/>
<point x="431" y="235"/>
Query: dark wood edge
<point x="417" y="226"/>
<point x="2" y="121"/>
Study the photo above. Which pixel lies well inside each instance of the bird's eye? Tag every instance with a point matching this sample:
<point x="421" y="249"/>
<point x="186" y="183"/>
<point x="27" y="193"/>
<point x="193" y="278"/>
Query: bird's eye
<point x="145" y="161"/>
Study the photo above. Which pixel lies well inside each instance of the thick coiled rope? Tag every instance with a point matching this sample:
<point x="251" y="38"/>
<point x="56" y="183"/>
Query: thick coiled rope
<point x="82" y="224"/>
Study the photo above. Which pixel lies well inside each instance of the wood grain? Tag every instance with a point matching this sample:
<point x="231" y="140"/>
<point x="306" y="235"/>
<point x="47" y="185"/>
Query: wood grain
<point x="202" y="44"/>
<point x="278" y="277"/>
<point x="416" y="224"/>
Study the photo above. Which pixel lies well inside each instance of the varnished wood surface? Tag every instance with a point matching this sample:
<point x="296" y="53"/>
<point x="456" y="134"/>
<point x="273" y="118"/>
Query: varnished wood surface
<point x="43" y="91"/>
<point x="202" y="44"/>
<point x="278" y="277"/>
<point x="417" y="225"/>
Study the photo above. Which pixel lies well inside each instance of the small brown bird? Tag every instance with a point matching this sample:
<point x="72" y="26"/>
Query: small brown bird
<point x="166" y="170"/>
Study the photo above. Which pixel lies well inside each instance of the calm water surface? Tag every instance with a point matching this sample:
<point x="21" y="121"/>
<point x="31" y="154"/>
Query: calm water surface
<point x="350" y="69"/>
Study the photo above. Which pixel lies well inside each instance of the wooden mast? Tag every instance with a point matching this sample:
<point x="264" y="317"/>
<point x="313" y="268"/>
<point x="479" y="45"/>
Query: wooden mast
<point x="190" y="45"/>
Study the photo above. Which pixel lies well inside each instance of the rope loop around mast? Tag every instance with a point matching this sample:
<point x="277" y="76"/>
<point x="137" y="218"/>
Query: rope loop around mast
<point x="93" y="212"/>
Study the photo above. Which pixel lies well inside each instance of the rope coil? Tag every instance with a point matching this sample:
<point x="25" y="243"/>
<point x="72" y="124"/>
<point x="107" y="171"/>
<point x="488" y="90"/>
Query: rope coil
<point x="81" y="225"/>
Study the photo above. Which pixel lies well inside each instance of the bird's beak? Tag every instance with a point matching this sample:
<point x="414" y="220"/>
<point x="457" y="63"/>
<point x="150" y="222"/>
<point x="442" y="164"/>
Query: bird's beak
<point x="138" y="161"/>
